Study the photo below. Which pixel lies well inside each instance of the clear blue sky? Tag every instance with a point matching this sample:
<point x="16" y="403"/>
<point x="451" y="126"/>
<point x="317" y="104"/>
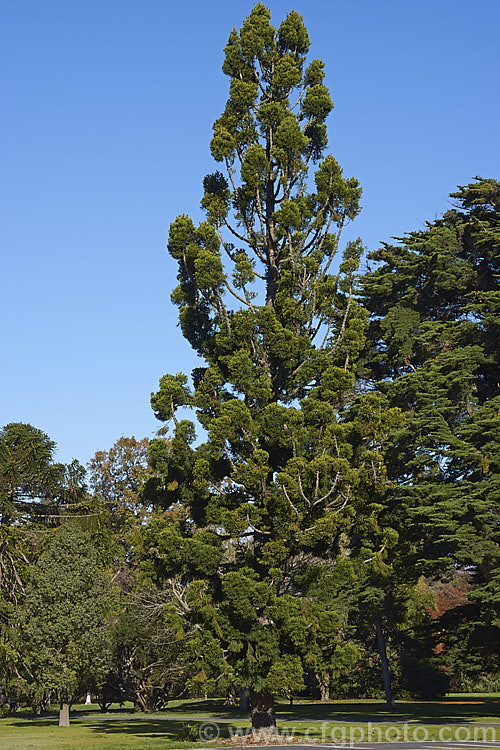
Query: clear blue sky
<point x="107" y="114"/>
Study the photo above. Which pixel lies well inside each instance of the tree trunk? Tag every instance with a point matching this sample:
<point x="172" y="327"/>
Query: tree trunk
<point x="323" y="679"/>
<point x="386" y="675"/>
<point x="245" y="700"/>
<point x="263" y="714"/>
<point x="64" y="715"/>
<point x="231" y="694"/>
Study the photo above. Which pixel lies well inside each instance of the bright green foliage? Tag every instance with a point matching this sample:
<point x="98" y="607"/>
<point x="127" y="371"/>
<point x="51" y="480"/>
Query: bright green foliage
<point x="283" y="237"/>
<point x="119" y="480"/>
<point x="285" y="677"/>
<point x="434" y="303"/>
<point x="283" y="488"/>
<point x="65" y="630"/>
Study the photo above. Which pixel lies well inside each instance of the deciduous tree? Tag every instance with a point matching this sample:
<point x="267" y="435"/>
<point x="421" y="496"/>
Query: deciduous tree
<point x="120" y="480"/>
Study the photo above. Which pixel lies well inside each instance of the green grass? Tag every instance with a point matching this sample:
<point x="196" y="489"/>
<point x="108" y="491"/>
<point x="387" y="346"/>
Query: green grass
<point x="353" y="711"/>
<point x="472" y="697"/>
<point x="150" y="733"/>
<point x="122" y="729"/>
<point x="451" y="709"/>
<point x="91" y="734"/>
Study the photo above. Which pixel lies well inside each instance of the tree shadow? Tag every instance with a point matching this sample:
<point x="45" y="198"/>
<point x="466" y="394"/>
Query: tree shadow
<point x="146" y="726"/>
<point x="363" y="711"/>
<point x="167" y="729"/>
<point x="214" y="709"/>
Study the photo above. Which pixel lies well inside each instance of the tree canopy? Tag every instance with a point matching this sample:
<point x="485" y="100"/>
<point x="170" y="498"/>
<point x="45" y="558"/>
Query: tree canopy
<point x="330" y="485"/>
<point x="65" y="628"/>
<point x="282" y="494"/>
<point x="433" y="350"/>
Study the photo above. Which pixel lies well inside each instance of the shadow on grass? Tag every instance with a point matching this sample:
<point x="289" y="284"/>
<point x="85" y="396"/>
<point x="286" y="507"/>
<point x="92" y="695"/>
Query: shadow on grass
<point x="468" y="708"/>
<point x="363" y="711"/>
<point x="448" y="711"/>
<point x="211" y="707"/>
<point x="168" y="729"/>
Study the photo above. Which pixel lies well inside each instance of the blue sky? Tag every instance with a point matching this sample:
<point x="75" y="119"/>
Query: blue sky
<point x="107" y="114"/>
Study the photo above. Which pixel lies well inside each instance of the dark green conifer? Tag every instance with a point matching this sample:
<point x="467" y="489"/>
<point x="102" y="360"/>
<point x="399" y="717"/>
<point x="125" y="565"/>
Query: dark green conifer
<point x="435" y="345"/>
<point x="282" y="494"/>
<point x="65" y="633"/>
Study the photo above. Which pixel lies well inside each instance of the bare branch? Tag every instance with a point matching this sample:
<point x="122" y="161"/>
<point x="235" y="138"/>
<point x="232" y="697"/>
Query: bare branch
<point x="330" y="491"/>
<point x="289" y="500"/>
<point x="302" y="491"/>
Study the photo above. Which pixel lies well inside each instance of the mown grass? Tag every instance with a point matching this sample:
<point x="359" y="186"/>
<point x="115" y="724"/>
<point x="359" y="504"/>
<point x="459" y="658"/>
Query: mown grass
<point x="347" y="721"/>
<point x="152" y="733"/>
<point x="91" y="734"/>
<point x="447" y="711"/>
<point x="460" y="708"/>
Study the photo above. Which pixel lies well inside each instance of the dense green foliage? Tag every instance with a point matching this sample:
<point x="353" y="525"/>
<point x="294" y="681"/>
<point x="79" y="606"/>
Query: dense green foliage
<point x="335" y="522"/>
<point x="65" y="619"/>
<point x="30" y="482"/>
<point x="118" y="479"/>
<point x="279" y="504"/>
<point x="434" y="353"/>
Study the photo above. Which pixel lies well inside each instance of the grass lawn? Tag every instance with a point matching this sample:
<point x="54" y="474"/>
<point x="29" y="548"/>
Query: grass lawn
<point x="466" y="709"/>
<point x="462" y="708"/>
<point x="346" y="721"/>
<point x="91" y="734"/>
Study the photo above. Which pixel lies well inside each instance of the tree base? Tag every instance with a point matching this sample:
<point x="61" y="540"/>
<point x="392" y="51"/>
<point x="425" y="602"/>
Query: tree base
<point x="265" y="736"/>
<point x="64" y="715"/>
<point x="245" y="700"/>
<point x="263" y="713"/>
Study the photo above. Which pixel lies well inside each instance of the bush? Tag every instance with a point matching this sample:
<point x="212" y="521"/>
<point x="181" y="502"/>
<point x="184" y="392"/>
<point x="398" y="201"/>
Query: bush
<point x="189" y="733"/>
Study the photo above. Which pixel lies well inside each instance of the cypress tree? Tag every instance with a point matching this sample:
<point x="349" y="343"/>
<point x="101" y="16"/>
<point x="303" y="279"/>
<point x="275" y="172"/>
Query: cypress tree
<point x="434" y="353"/>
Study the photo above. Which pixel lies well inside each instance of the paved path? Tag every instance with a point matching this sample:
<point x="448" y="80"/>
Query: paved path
<point x="297" y="719"/>
<point x="224" y="719"/>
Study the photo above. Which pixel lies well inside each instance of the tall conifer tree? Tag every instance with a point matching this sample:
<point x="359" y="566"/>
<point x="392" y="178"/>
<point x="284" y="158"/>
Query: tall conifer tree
<point x="434" y="302"/>
<point x="281" y="497"/>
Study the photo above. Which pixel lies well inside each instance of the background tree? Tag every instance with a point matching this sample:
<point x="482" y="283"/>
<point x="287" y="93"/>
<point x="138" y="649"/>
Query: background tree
<point x="120" y="480"/>
<point x="434" y="347"/>
<point x="29" y="482"/>
<point x="283" y="489"/>
<point x="65" y="623"/>
<point x="119" y="476"/>
<point x="149" y="664"/>
<point x="149" y="640"/>
<point x="34" y="490"/>
<point x="28" y="473"/>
